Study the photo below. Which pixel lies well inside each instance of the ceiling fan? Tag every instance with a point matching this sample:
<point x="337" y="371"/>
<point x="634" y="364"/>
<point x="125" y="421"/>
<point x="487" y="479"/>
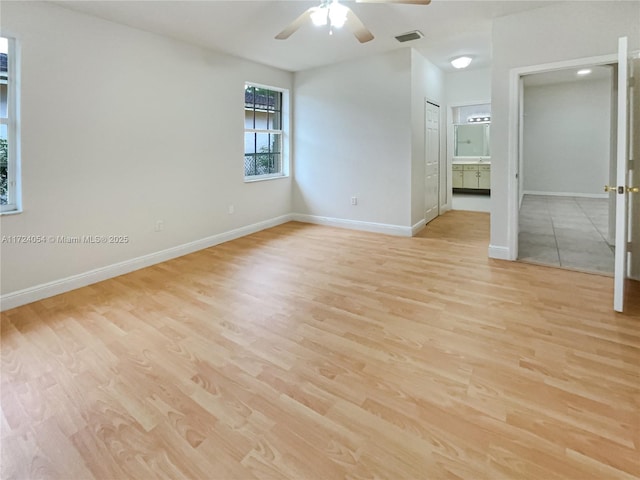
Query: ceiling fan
<point x="336" y="15"/>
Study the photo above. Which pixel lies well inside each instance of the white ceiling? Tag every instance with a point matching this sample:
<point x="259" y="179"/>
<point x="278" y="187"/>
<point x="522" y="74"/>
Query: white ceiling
<point x="567" y="75"/>
<point x="247" y="28"/>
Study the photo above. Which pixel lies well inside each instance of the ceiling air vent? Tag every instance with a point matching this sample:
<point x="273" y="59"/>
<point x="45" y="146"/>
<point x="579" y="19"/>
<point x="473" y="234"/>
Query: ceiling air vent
<point x="407" y="37"/>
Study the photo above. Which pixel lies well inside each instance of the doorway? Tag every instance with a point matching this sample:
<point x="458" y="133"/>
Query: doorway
<point x="470" y="156"/>
<point x="624" y="186"/>
<point x="567" y="129"/>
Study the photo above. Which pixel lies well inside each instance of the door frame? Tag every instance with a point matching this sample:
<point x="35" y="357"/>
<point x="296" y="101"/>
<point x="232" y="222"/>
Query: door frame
<point x="514" y="135"/>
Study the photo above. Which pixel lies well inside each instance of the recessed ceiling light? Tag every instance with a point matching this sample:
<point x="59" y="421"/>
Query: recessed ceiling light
<point x="584" y="71"/>
<point x="461" y="62"/>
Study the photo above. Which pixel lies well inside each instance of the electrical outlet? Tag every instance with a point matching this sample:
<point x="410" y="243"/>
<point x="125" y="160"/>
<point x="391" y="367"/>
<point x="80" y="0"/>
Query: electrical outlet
<point x="232" y="209"/>
<point x="159" y="225"/>
<point x="354" y="200"/>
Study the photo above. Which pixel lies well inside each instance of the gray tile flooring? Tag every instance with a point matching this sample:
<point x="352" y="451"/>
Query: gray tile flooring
<point x="568" y="232"/>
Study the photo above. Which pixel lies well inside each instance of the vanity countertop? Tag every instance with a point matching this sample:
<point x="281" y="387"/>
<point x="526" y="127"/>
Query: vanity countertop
<point x="471" y="161"/>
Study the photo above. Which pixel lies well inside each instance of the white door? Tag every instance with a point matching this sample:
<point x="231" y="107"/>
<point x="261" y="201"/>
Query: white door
<point x="432" y="161"/>
<point x="627" y="146"/>
<point x="634" y="167"/>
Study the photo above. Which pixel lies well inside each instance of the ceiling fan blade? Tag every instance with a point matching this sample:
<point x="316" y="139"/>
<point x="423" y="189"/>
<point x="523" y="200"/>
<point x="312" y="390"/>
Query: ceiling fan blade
<point x="295" y="25"/>
<point x="411" y="2"/>
<point x="357" y="27"/>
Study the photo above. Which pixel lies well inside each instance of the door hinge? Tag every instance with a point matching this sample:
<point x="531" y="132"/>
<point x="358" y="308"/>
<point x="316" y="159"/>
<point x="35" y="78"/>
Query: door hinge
<point x="629" y="246"/>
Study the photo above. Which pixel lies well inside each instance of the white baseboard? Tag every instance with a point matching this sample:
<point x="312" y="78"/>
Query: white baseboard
<point x="56" y="287"/>
<point x="385" y="228"/>
<point x="418" y="227"/>
<point x="499" y="253"/>
<point x="567" y="194"/>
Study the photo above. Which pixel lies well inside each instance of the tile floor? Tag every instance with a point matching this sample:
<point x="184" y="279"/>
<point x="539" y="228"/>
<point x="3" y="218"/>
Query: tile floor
<point x="566" y="232"/>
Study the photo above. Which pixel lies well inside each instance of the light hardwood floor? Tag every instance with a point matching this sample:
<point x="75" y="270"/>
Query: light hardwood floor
<point x="308" y="352"/>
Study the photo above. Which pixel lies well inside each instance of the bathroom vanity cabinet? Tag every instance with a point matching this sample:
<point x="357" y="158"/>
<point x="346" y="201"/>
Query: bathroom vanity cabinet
<point x="472" y="175"/>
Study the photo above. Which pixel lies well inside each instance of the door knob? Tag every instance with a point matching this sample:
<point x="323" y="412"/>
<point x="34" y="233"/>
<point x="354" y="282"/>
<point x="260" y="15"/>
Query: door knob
<point x="633" y="190"/>
<point x="607" y="188"/>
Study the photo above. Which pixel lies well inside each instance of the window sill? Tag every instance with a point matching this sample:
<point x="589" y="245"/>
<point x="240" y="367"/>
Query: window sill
<point x="263" y="179"/>
<point x="11" y="212"/>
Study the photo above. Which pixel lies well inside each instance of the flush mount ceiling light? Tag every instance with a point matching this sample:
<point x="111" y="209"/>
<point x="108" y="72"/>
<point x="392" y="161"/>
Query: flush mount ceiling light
<point x="584" y="71"/>
<point x="461" y="62"/>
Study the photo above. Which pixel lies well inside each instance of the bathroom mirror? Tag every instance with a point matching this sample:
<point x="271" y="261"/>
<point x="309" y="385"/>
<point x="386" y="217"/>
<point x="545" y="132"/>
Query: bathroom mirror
<point x="471" y="140"/>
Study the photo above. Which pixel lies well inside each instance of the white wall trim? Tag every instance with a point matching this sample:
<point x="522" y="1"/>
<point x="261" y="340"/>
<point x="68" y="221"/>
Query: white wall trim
<point x="445" y="208"/>
<point x="56" y="287"/>
<point x="499" y="253"/>
<point x="385" y="228"/>
<point x="418" y="227"/>
<point x="567" y="194"/>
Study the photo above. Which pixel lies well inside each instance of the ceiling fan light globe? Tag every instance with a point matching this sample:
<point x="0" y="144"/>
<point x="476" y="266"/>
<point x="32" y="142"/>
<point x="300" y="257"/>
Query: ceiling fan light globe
<point x="319" y="17"/>
<point x="338" y="14"/>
